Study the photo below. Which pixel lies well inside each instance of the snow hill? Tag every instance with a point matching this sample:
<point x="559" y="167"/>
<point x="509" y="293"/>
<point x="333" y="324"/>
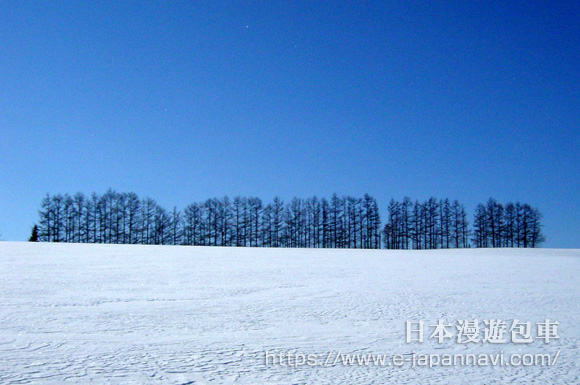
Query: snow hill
<point x="120" y="314"/>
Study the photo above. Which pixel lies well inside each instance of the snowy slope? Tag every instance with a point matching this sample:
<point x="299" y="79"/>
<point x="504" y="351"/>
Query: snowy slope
<point x="111" y="314"/>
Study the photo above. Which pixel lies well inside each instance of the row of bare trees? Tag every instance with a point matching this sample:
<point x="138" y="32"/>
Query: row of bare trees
<point x="512" y="225"/>
<point x="340" y="222"/>
<point x="432" y="224"/>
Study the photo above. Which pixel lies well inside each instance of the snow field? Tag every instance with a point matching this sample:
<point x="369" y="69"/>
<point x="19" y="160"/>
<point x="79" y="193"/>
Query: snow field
<point x="120" y="314"/>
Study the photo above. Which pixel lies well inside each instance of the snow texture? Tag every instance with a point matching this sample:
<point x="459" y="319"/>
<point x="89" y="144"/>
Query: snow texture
<point x="120" y="314"/>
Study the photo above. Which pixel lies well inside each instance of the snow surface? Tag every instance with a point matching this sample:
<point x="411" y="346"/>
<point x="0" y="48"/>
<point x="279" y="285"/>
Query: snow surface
<point x="119" y="314"/>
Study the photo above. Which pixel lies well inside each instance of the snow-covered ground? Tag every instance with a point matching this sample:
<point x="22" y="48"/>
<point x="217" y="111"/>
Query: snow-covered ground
<point x="110" y="314"/>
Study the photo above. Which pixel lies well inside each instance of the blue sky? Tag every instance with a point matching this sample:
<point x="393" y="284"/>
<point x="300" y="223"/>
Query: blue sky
<point x="184" y="101"/>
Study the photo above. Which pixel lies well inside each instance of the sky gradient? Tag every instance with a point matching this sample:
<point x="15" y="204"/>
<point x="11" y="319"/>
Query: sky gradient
<point x="184" y="101"/>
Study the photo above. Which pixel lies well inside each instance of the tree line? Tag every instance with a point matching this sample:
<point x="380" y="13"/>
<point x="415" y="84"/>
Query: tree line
<point x="123" y="218"/>
<point x="433" y="224"/>
<point x="338" y="222"/>
<point x="442" y="224"/>
<point x="509" y="225"/>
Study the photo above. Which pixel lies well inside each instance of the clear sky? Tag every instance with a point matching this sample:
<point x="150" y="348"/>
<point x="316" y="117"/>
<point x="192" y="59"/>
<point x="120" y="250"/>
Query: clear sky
<point x="184" y="101"/>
